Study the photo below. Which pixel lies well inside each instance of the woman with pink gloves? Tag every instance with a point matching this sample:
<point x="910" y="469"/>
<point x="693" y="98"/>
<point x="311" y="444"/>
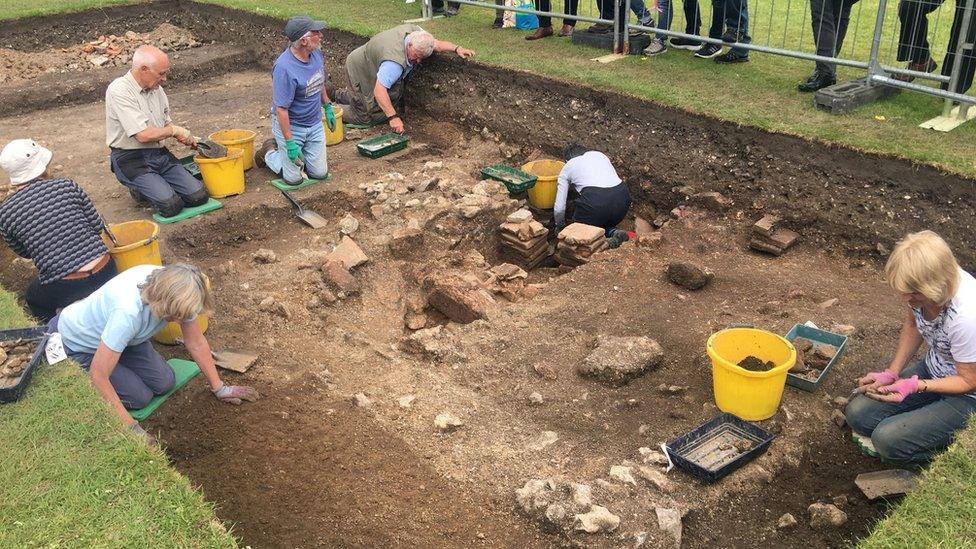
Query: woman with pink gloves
<point x="913" y="411"/>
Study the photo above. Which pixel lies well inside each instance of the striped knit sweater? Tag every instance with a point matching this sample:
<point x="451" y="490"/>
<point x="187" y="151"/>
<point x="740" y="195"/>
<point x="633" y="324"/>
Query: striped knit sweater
<point x="53" y="223"/>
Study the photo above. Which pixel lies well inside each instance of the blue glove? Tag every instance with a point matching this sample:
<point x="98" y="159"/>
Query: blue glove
<point x="330" y="119"/>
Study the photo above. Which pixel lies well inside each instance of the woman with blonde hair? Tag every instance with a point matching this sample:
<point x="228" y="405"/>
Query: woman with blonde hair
<point x="109" y="334"/>
<point x="911" y="412"/>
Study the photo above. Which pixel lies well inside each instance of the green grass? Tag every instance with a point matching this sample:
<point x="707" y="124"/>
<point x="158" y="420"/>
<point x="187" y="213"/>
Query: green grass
<point x="72" y="476"/>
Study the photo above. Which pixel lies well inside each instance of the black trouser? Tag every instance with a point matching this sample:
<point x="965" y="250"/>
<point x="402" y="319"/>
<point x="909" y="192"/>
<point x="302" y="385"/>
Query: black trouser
<point x="569" y="7"/>
<point x="829" y="19"/>
<point x="439" y="4"/>
<point x="913" y="43"/>
<point x="968" y="58"/>
<point x="45" y="300"/>
<point x="602" y="207"/>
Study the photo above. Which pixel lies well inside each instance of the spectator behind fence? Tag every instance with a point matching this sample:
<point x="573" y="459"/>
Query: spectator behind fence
<point x="378" y="71"/>
<point x="913" y="43"/>
<point x="658" y="43"/>
<point x="499" y="21"/>
<point x="912" y="410"/>
<point x="545" y="23"/>
<point x="829" y="19"/>
<point x="137" y="121"/>
<point x="51" y="221"/>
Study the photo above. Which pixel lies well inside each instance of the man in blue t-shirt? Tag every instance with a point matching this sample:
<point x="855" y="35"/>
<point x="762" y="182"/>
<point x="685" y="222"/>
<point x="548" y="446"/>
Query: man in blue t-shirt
<point x="299" y="102"/>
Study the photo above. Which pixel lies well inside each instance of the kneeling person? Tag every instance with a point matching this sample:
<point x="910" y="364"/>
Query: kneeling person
<point x="137" y="121"/>
<point x="603" y="199"/>
<point x="109" y="334"/>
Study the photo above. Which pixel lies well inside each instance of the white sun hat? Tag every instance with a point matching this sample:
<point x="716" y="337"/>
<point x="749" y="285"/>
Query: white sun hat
<point x="24" y="160"/>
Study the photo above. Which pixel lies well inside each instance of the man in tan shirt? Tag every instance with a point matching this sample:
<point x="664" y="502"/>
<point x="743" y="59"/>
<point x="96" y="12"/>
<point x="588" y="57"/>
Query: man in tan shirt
<point x="136" y="122"/>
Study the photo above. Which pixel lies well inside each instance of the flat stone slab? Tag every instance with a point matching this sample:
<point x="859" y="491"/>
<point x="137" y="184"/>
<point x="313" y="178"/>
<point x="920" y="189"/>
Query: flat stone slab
<point x="617" y="360"/>
<point x="890" y="482"/>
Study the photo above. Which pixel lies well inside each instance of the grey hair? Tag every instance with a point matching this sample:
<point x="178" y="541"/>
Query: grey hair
<point x="145" y="55"/>
<point x="422" y="43"/>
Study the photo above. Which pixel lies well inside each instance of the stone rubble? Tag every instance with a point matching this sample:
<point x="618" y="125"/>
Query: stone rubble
<point x="523" y="240"/>
<point x="447" y="422"/>
<point x="766" y="237"/>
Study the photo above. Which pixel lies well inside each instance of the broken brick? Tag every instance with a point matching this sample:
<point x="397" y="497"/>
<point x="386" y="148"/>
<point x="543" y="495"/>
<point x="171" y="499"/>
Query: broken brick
<point x="349" y="253"/>
<point x="459" y="304"/>
<point x="580" y="233"/>
<point x="405" y="241"/>
<point x="337" y="276"/>
<point x="766" y="226"/>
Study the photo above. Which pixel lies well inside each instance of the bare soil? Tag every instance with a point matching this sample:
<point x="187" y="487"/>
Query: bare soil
<point x="754" y="364"/>
<point x="305" y="466"/>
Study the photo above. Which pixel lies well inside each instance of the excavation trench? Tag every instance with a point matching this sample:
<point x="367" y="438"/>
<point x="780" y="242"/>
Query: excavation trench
<point x="306" y="467"/>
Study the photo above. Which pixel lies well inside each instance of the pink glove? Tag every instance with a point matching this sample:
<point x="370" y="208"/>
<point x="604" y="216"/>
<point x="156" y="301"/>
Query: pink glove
<point x="897" y="391"/>
<point x="234" y="394"/>
<point x="876" y="380"/>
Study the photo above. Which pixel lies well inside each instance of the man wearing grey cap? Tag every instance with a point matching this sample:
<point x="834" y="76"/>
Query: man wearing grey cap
<point x="299" y="102"/>
<point x="378" y="71"/>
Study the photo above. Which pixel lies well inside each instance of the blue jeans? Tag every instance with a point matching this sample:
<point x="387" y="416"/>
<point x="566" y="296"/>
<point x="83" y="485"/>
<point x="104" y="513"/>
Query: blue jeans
<point x="665" y="18"/>
<point x="311" y="141"/>
<point x="734" y="15"/>
<point x="915" y="429"/>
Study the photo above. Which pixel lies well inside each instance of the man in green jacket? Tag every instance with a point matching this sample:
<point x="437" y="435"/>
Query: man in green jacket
<point x="378" y="71"/>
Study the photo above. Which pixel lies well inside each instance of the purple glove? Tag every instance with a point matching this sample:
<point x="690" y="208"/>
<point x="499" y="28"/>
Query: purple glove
<point x="897" y="391"/>
<point x="234" y="394"/>
<point x="876" y="380"/>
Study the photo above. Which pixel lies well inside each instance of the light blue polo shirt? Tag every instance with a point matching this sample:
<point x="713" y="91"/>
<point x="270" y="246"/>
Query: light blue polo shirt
<point x="114" y="314"/>
<point x="391" y="71"/>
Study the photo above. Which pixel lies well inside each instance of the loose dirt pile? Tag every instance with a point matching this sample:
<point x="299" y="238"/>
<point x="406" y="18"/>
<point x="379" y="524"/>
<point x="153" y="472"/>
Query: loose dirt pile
<point x="104" y="51"/>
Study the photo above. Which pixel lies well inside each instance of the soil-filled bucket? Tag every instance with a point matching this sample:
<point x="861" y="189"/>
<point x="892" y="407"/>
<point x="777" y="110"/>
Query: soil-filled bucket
<point x="752" y="396"/>
<point x="172" y="332"/>
<point x="334" y="137"/>
<point x="242" y="139"/>
<point x="543" y="193"/>
<point x="138" y="244"/>
<point x="223" y="176"/>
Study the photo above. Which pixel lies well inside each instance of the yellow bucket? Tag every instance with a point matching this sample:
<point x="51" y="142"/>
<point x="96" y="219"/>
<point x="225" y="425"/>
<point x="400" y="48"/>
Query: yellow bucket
<point x="543" y="194"/>
<point x="335" y="137"/>
<point x="242" y="139"/>
<point x="223" y="176"/>
<point x="752" y="396"/>
<point x="138" y="244"/>
<point x="172" y="331"/>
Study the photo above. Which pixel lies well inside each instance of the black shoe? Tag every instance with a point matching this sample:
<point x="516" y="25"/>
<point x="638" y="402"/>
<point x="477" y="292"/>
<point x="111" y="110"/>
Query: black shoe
<point x="498" y="23"/>
<point x="268" y="145"/>
<point x="685" y="44"/>
<point x="732" y="57"/>
<point x="708" y="51"/>
<point x="438" y="11"/>
<point x="731" y="36"/>
<point x="817" y="81"/>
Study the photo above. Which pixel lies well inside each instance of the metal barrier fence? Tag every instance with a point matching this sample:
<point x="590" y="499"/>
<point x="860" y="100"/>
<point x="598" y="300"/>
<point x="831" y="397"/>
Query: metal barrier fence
<point x="903" y="40"/>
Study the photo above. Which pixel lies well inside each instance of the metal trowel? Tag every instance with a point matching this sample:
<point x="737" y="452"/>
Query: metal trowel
<point x="308" y="217"/>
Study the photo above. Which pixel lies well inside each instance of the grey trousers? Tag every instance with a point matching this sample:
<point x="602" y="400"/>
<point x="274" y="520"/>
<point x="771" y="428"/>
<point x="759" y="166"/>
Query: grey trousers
<point x="159" y="177"/>
<point x="829" y="19"/>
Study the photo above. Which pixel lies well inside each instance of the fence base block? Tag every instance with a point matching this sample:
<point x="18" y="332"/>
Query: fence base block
<point x="844" y="97"/>
<point x="950" y="122"/>
<point x="605" y="41"/>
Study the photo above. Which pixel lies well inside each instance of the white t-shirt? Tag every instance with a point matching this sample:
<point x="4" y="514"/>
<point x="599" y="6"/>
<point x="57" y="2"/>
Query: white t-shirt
<point x="591" y="169"/>
<point x="951" y="336"/>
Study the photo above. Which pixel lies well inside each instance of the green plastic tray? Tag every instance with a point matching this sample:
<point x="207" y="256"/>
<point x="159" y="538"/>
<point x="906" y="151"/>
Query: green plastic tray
<point x="208" y="206"/>
<point x="184" y="371"/>
<point x="382" y="145"/>
<point x="191" y="166"/>
<point x="280" y="183"/>
<point x="514" y="179"/>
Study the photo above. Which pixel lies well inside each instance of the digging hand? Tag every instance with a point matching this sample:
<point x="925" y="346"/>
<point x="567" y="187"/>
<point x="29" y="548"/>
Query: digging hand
<point x="897" y="391"/>
<point x="137" y="429"/>
<point x="294" y="151"/>
<point x="875" y="380"/>
<point x="234" y="394"/>
<point x="182" y="135"/>
<point x="396" y="124"/>
<point x="330" y="118"/>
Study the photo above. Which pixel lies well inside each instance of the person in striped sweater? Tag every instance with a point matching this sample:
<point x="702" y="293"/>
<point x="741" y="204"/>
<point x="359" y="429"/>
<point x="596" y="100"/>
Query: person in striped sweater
<point x="52" y="221"/>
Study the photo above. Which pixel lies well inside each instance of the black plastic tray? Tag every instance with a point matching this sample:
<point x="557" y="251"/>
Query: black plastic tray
<point x="15" y="391"/>
<point x="382" y="145"/>
<point x="708" y="451"/>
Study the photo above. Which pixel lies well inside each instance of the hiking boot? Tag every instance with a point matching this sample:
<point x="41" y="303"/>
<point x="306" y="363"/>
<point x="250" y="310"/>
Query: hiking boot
<point x="732" y="57"/>
<point x="656" y="47"/>
<point x="540" y="33"/>
<point x="928" y="65"/>
<point x="817" y="81"/>
<point x="617" y="237"/>
<point x="600" y="28"/>
<point x="685" y="44"/>
<point x="567" y="30"/>
<point x="268" y="145"/>
<point x="708" y="51"/>
<point x="137" y="196"/>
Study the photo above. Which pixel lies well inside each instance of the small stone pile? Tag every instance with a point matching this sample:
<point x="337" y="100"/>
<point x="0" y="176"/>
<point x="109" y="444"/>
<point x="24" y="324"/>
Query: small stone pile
<point x="523" y="240"/>
<point x="577" y="244"/>
<point x="767" y="237"/>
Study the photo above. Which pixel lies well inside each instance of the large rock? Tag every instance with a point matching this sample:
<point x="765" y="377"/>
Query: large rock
<point x="599" y="519"/>
<point x="458" y="303"/>
<point x="689" y="275"/>
<point x="823" y="515"/>
<point x="619" y="359"/>
<point x="349" y="253"/>
<point x="337" y="276"/>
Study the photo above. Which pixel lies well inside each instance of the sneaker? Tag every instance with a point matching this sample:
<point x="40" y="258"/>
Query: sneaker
<point x="451" y="11"/>
<point x="617" y="237"/>
<point x="708" y="51"/>
<point x="864" y="443"/>
<point x="648" y="21"/>
<point x="686" y="44"/>
<point x="656" y="47"/>
<point x="732" y="57"/>
<point x="268" y="145"/>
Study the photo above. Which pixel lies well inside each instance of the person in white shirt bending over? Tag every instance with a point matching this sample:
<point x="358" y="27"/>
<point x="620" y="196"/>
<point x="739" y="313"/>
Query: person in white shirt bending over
<point x="602" y="198"/>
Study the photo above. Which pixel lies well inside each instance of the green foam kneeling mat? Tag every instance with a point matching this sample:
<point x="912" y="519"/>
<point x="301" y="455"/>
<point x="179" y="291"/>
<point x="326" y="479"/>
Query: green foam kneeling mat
<point x="184" y="371"/>
<point x="208" y="206"/>
<point x="280" y="183"/>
